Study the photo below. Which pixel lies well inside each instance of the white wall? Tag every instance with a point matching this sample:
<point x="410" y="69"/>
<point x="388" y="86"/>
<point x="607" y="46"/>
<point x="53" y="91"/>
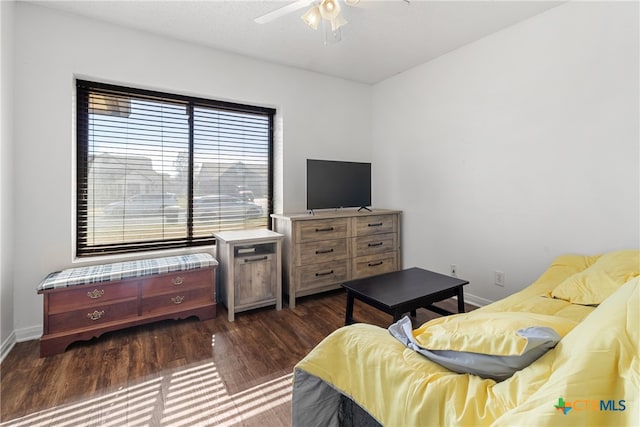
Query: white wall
<point x="6" y="178"/>
<point x="51" y="48"/>
<point x="502" y="154"/>
<point x="517" y="148"/>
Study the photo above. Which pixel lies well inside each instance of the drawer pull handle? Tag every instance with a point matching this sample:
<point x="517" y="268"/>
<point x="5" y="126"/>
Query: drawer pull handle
<point x="177" y="300"/>
<point x="262" y="258"/>
<point x="375" y="224"/>
<point x="95" y="315"/>
<point x="373" y="245"/>
<point x="96" y="293"/>
<point x="375" y="264"/>
<point x="178" y="280"/>
<point x="326" y="273"/>
<point x="318" y="230"/>
<point x="324" y="251"/>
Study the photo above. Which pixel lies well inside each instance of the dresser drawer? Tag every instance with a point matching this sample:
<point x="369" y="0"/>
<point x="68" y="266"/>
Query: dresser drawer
<point x="322" y="229"/>
<point x="374" y="224"/>
<point x="375" y="244"/>
<point x="177" y="282"/>
<point x="318" y="275"/>
<point x="177" y="300"/>
<point x="92" y="295"/>
<point x="97" y="315"/>
<point x="374" y="264"/>
<point x="321" y="251"/>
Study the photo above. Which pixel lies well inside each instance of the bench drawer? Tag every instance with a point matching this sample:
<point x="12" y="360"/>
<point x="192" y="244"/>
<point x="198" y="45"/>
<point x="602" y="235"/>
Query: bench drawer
<point x="93" y="295"/>
<point x="177" y="301"/>
<point x="177" y="282"/>
<point x="92" y="316"/>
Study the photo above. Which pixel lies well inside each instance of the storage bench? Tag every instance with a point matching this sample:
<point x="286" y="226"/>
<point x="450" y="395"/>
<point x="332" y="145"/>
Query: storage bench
<point x="85" y="302"/>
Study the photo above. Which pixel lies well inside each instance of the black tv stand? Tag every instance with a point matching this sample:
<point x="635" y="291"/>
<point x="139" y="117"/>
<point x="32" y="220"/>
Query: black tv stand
<point x="365" y="208"/>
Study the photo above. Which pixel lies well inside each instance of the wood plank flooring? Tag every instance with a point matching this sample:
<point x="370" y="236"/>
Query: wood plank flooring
<point x="178" y="373"/>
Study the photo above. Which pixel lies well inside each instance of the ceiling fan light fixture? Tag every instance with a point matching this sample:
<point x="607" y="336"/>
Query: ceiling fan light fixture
<point x="352" y="2"/>
<point x="338" y="22"/>
<point x="330" y="36"/>
<point x="312" y="17"/>
<point x="329" y="9"/>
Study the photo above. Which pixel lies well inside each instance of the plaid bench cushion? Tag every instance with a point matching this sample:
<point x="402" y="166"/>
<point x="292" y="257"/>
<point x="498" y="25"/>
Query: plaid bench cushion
<point x="124" y="270"/>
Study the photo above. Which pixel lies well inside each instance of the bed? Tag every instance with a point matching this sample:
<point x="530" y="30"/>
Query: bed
<point x="365" y="375"/>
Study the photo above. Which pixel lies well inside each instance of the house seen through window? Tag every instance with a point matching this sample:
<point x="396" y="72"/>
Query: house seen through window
<point x="157" y="170"/>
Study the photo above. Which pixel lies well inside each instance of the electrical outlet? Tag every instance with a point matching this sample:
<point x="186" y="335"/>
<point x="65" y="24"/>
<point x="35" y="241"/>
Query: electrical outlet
<point x="499" y="278"/>
<point x="453" y="270"/>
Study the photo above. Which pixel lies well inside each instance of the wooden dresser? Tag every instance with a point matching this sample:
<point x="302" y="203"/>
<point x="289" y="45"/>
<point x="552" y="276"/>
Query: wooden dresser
<point x="324" y="249"/>
<point x="85" y="302"/>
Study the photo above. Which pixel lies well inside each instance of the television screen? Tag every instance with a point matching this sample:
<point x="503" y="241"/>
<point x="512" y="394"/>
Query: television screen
<point x="336" y="184"/>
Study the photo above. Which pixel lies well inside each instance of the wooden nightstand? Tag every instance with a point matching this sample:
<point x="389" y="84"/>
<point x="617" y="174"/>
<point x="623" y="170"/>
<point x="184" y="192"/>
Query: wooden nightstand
<point x="250" y="269"/>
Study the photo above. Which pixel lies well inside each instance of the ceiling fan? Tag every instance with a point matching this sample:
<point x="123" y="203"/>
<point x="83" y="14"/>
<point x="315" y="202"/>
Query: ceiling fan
<point x="325" y="12"/>
<point x="319" y="9"/>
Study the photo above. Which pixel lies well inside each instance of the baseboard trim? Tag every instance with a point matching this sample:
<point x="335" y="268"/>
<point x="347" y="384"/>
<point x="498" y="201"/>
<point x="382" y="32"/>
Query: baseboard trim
<point x="28" y="334"/>
<point x="7" y="345"/>
<point x="476" y="300"/>
<point x="19" y="335"/>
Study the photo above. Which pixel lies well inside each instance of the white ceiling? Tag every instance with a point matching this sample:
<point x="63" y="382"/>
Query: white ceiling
<point x="382" y="38"/>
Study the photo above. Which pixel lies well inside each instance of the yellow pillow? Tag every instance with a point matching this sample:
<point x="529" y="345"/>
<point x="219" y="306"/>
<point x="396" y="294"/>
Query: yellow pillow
<point x="486" y="333"/>
<point x="604" y="277"/>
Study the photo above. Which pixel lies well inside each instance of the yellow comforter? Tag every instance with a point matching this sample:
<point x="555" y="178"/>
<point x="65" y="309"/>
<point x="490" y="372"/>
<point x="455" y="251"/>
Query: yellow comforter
<point x="589" y="378"/>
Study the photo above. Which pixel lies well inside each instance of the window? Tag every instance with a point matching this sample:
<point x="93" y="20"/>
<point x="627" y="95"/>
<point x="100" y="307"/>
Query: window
<point x="157" y="170"/>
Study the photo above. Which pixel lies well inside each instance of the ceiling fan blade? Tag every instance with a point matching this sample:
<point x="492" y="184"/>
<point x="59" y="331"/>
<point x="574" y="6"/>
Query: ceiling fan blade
<point x="268" y="17"/>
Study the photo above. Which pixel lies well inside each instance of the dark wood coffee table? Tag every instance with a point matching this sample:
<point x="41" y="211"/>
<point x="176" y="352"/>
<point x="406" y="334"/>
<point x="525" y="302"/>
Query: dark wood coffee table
<point x="404" y="291"/>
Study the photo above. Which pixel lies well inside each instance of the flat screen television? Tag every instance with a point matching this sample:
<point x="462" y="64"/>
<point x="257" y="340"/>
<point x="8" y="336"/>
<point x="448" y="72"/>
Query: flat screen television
<point x="337" y="184"/>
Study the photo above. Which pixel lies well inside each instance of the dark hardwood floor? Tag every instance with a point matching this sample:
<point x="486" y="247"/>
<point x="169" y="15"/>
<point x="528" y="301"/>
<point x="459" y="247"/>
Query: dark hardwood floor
<point x="184" y="372"/>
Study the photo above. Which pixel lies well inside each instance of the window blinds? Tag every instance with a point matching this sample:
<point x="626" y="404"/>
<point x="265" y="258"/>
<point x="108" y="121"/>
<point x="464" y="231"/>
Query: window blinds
<point x="157" y="170"/>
